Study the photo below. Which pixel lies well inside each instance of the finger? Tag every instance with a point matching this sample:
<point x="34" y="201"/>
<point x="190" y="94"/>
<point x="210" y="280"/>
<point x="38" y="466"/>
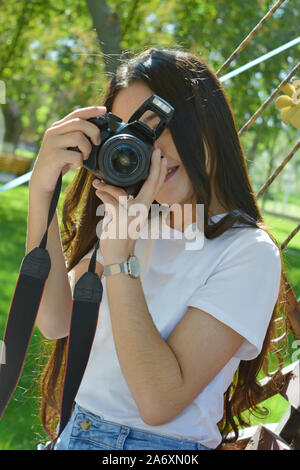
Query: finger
<point x="114" y="191"/>
<point x="73" y="159"/>
<point x="78" y="124"/>
<point x="75" y="139"/>
<point x="83" y="113"/>
<point x="110" y="204"/>
<point x="120" y="201"/>
<point x="163" y="174"/>
<point x="107" y="199"/>
<point x="150" y="186"/>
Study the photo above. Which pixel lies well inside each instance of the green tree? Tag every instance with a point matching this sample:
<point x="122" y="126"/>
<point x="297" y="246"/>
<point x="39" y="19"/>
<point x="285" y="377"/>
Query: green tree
<point x="58" y="54"/>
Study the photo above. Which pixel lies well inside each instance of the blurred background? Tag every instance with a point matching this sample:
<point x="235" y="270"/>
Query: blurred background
<point x="58" y="55"/>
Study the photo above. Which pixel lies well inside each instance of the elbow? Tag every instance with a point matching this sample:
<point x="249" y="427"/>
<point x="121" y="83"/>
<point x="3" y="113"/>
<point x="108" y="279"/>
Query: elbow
<point x="149" y="415"/>
<point x="164" y="408"/>
<point x="157" y="415"/>
<point x="157" y="419"/>
<point x="151" y="419"/>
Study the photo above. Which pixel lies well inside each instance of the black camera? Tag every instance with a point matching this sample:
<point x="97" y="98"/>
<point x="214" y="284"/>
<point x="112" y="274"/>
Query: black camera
<point x="124" y="155"/>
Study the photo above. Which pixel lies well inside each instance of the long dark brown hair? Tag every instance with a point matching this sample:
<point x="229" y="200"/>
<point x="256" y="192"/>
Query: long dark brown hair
<point x="202" y="113"/>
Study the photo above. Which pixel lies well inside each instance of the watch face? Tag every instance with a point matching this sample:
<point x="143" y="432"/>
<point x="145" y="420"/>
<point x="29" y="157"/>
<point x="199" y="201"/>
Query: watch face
<point x="135" y="266"/>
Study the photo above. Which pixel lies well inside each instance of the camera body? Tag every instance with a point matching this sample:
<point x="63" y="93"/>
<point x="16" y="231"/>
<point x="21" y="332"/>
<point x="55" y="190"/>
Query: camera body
<point x="124" y="155"/>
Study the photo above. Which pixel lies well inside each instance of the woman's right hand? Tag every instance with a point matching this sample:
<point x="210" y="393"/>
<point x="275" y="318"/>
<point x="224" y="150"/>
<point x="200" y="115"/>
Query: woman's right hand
<point x="54" y="158"/>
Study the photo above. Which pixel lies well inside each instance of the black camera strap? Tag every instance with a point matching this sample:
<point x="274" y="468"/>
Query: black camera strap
<point x="87" y="296"/>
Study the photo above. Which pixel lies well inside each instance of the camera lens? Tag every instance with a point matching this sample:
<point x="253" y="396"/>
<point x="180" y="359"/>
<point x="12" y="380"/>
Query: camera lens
<point x="124" y="159"/>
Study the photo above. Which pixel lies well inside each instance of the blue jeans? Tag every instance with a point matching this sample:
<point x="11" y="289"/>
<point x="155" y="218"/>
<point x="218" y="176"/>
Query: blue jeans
<point x="87" y="431"/>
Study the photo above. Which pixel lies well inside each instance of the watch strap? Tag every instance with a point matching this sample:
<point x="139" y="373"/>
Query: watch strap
<point x="125" y="267"/>
<point x="116" y="268"/>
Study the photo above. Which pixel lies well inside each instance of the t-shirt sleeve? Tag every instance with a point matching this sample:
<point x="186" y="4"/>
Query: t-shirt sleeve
<point x="242" y="291"/>
<point x="99" y="256"/>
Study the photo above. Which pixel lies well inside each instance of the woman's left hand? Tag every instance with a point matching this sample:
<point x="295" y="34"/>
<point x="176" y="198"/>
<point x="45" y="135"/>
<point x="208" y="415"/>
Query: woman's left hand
<point x="115" y="249"/>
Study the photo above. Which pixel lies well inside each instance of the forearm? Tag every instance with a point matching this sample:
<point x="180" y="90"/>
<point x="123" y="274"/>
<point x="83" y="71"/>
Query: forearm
<point x="55" y="307"/>
<point x="149" y="365"/>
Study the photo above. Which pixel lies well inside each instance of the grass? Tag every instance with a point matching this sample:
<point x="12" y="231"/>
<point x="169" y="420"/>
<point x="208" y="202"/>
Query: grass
<point x="281" y="228"/>
<point x="20" y="427"/>
<point x="278" y="207"/>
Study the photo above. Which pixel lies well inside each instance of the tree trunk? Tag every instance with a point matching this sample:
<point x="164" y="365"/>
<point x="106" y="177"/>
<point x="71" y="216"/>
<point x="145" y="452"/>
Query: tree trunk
<point x="13" y="124"/>
<point x="108" y="30"/>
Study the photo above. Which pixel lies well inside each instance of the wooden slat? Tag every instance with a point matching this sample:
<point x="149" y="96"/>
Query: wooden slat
<point x="289" y="384"/>
<point x="289" y="428"/>
<point x="286" y="383"/>
<point x="291" y="388"/>
<point x="244" y="437"/>
<point x="270" y="386"/>
<point x="238" y="445"/>
<point x="265" y="439"/>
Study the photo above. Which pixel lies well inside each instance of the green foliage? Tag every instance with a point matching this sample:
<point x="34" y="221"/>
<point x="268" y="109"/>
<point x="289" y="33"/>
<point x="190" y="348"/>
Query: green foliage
<point x="51" y="61"/>
<point x="51" y="67"/>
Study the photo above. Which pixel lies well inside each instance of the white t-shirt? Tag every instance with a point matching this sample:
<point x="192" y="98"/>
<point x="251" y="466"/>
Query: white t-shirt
<point x="234" y="277"/>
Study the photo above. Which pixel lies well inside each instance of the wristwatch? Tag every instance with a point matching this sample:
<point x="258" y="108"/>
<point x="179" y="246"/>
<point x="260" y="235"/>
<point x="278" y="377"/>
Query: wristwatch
<point x="131" y="266"/>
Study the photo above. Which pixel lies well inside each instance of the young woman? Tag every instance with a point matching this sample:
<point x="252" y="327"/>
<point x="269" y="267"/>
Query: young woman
<point x="177" y="350"/>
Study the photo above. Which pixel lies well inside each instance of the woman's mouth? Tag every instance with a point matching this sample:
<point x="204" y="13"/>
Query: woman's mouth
<point x="170" y="172"/>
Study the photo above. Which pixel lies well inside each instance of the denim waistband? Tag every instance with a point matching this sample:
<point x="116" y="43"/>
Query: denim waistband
<point x="86" y="430"/>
